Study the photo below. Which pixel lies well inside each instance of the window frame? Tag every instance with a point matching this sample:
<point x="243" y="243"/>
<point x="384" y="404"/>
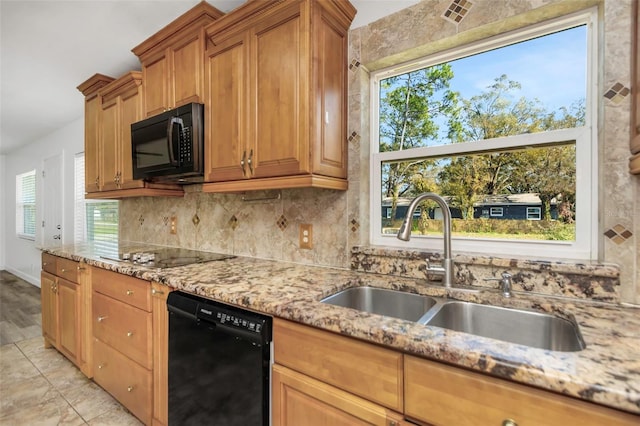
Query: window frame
<point x="585" y="246"/>
<point x="20" y="205"/>
<point x="496" y="214"/>
<point x="82" y="230"/>
<point x="538" y="213"/>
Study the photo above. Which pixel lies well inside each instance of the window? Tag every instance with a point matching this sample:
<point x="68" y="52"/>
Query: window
<point x="495" y="211"/>
<point x="512" y="118"/>
<point x="26" y="205"/>
<point x="94" y="221"/>
<point x="534" y="213"/>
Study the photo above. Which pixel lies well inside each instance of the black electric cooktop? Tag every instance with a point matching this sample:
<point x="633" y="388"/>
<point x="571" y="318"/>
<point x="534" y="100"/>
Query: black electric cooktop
<point x="164" y="257"/>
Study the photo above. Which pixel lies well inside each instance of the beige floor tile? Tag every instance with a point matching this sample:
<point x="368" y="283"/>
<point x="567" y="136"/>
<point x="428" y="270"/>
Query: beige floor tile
<point x="118" y="416"/>
<point x="52" y="410"/>
<point x="65" y="376"/>
<point x="90" y="400"/>
<point x="14" y="366"/>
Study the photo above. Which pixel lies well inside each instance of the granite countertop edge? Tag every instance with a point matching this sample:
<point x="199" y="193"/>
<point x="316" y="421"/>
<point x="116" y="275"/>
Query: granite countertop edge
<point x="607" y="372"/>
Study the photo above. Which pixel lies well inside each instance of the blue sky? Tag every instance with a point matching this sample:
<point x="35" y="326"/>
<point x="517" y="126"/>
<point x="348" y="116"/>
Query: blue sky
<point x="550" y="68"/>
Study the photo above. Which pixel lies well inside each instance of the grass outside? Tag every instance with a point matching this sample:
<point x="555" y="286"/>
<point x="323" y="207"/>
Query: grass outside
<point x="539" y="230"/>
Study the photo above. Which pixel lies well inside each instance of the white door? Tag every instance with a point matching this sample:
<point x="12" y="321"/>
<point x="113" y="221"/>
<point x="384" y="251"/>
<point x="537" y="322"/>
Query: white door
<point x="52" y="195"/>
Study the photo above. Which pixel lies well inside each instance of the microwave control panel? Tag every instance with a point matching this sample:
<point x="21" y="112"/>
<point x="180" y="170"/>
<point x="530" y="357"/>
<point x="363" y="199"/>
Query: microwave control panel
<point x="185" y="146"/>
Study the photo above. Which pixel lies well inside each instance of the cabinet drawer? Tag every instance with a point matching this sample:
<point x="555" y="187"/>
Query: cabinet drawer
<point x="67" y="269"/>
<point x="127" y="381"/>
<point x="361" y="368"/>
<point x="442" y="395"/>
<point x="124" y="327"/>
<point x="127" y="289"/>
<point x="49" y="263"/>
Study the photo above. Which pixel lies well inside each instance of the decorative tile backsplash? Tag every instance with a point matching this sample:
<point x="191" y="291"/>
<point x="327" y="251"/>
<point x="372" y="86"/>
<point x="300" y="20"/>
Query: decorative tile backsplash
<point x="617" y="93"/>
<point x="457" y="10"/>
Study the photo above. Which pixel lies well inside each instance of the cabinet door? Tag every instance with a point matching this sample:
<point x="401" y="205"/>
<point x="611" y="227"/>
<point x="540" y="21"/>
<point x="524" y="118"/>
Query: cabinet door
<point x="69" y="319"/>
<point x="49" y="303"/>
<point x="155" y="71"/>
<point x="185" y="79"/>
<point x="301" y="400"/>
<point x="109" y="142"/>
<point x="93" y="113"/>
<point x="280" y="95"/>
<point x="227" y="112"/>
<point x="329" y="107"/>
<point x="130" y="112"/>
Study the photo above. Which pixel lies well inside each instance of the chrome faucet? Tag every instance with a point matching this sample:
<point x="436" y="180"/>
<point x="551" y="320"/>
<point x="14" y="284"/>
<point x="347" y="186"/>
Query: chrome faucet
<point x="404" y="234"/>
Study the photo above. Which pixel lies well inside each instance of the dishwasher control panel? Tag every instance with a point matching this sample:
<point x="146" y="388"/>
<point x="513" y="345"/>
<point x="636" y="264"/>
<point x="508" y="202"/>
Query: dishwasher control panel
<point x="224" y="316"/>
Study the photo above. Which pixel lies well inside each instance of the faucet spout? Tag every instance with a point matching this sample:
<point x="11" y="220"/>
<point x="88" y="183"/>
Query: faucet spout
<point x="404" y="233"/>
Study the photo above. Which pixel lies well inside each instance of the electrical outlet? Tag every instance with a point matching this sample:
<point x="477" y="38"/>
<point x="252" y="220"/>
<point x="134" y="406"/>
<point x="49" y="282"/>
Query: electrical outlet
<point x="173" y="225"/>
<point x="306" y="236"/>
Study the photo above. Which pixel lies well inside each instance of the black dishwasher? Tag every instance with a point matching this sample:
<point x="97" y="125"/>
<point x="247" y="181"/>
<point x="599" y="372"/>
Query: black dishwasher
<point x="219" y="363"/>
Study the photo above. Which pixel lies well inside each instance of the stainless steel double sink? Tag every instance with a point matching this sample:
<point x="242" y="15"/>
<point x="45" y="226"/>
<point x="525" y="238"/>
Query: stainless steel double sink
<point x="519" y="326"/>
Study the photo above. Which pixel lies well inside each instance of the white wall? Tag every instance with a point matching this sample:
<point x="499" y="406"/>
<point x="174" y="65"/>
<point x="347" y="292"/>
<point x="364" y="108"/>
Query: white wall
<point x="22" y="257"/>
<point x="3" y="209"/>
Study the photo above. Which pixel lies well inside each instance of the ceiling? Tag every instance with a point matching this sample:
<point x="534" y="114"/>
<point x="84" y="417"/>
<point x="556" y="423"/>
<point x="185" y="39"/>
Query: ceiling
<point x="49" y="47"/>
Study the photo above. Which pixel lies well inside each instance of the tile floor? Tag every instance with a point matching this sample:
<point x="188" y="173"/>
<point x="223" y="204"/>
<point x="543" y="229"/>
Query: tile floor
<point x="39" y="386"/>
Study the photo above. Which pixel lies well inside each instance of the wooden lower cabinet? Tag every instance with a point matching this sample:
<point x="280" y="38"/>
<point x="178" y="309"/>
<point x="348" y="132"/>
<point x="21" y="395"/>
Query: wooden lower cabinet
<point x="122" y="323"/>
<point x="63" y="287"/>
<point x="126" y="380"/>
<point x="321" y="378"/>
<point x="301" y="400"/>
<point x="438" y="394"/>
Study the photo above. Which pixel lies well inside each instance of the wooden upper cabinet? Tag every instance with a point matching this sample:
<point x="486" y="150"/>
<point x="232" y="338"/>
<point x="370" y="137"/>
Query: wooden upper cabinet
<point x="173" y="61"/>
<point x="92" y="129"/>
<point x="276" y="90"/>
<point x="121" y="106"/>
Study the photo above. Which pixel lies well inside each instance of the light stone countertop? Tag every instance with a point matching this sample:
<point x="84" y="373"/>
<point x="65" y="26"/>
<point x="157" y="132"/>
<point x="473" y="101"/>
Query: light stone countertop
<point x="606" y="372"/>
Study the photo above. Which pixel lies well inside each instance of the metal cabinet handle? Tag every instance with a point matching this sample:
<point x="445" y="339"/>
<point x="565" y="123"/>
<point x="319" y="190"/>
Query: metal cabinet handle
<point x="98" y="182"/>
<point x="81" y="268"/>
<point x="130" y="388"/>
<point x="129" y="292"/>
<point x="100" y="319"/>
<point x="249" y="162"/>
<point x="100" y="367"/>
<point x="129" y="333"/>
<point x="509" y="422"/>
<point x="242" y="162"/>
<point x="154" y="291"/>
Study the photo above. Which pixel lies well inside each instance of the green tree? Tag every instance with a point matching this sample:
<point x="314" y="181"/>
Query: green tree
<point x="410" y="105"/>
<point x="497" y="113"/>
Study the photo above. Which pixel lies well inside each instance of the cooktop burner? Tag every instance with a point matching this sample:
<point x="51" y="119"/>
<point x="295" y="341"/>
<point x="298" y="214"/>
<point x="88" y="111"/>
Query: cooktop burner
<point x="165" y="257"/>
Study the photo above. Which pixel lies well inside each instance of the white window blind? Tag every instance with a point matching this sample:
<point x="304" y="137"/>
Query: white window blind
<point x="26" y="205"/>
<point x="95" y="221"/>
<point x="79" y="224"/>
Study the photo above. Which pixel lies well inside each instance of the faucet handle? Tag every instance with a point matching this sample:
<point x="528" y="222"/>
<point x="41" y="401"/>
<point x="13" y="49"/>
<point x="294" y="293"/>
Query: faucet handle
<point x="435" y="272"/>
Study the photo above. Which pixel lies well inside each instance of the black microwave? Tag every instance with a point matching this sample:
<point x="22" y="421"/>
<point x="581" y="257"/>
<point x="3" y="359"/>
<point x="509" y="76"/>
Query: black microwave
<point x="169" y="147"/>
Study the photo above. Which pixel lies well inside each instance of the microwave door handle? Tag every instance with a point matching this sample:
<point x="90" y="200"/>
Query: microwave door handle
<point x="172" y="121"/>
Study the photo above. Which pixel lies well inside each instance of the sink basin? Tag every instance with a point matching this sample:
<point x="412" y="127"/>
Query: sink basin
<point x="391" y="303"/>
<point x="511" y="325"/>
